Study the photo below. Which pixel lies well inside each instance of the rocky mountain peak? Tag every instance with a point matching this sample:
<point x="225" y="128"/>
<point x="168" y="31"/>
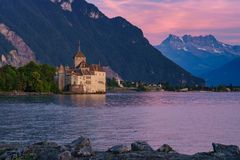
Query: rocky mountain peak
<point x="173" y="38"/>
<point x="82" y="6"/>
<point x="200" y="43"/>
<point x="174" y="41"/>
<point x="208" y="40"/>
<point x="65" y="4"/>
<point x="198" y="54"/>
<point x="210" y="37"/>
<point x="87" y="9"/>
<point x="23" y="53"/>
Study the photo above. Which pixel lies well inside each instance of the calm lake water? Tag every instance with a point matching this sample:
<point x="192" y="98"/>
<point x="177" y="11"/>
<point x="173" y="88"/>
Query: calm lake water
<point x="189" y="122"/>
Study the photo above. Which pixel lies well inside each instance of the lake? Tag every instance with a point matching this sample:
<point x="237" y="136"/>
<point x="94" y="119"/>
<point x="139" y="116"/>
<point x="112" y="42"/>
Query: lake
<point x="189" y="122"/>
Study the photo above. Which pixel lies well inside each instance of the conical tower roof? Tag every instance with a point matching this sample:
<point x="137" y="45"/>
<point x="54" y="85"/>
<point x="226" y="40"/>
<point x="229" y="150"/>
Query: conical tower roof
<point x="79" y="53"/>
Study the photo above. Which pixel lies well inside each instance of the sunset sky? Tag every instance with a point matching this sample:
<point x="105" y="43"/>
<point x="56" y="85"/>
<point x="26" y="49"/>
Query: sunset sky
<point x="158" y="18"/>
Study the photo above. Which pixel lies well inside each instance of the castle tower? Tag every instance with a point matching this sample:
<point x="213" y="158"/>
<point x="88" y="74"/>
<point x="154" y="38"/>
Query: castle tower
<point x="61" y="78"/>
<point x="79" y="57"/>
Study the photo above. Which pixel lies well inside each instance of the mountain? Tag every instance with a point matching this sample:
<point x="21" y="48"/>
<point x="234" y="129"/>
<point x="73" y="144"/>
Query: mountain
<point x="199" y="54"/>
<point x="48" y="31"/>
<point x="226" y="75"/>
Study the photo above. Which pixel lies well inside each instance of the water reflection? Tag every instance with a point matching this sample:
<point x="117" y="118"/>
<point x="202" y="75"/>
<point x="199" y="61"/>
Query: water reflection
<point x="91" y="100"/>
<point x="109" y="100"/>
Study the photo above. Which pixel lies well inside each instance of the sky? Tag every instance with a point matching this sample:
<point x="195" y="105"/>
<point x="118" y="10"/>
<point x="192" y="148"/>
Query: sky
<point x="159" y="18"/>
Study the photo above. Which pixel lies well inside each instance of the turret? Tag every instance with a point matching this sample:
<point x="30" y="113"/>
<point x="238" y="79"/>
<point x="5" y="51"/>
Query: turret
<point x="79" y="57"/>
<point x="61" y="78"/>
<point x="61" y="69"/>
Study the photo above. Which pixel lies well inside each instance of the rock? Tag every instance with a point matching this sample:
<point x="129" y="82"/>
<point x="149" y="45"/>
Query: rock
<point x="141" y="146"/>
<point x="22" y="55"/>
<point x="82" y="147"/>
<point x="165" y="148"/>
<point x="119" y="149"/>
<point x="45" y="144"/>
<point x="203" y="155"/>
<point x="9" y="155"/>
<point x="10" y="151"/>
<point x="65" y="155"/>
<point x="226" y="149"/>
<point x="43" y="150"/>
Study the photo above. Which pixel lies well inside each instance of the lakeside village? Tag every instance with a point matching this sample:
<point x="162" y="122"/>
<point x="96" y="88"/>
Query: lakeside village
<point x="82" y="78"/>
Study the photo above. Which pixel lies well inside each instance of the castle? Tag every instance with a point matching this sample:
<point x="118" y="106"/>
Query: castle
<point x="82" y="78"/>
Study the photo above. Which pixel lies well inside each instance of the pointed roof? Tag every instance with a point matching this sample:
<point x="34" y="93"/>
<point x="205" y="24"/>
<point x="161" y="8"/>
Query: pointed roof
<point x="79" y="53"/>
<point x="61" y="69"/>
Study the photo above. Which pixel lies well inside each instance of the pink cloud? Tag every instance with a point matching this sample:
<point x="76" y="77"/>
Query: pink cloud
<point x="158" y="18"/>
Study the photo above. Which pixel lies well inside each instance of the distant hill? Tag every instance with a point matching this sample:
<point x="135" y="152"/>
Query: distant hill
<point x="200" y="54"/>
<point x="48" y="31"/>
<point x="225" y="75"/>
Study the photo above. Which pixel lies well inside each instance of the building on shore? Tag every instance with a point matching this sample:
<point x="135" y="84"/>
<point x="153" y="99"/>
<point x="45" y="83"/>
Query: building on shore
<point x="82" y="78"/>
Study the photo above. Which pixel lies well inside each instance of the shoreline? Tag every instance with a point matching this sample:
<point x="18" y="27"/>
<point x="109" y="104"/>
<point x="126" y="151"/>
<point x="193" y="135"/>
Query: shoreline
<point x="81" y="149"/>
<point x="18" y="94"/>
<point x="22" y="94"/>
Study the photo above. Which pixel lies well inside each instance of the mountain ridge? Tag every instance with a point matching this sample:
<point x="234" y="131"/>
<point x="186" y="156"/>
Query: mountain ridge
<point x="198" y="54"/>
<point x="52" y="30"/>
<point x="228" y="74"/>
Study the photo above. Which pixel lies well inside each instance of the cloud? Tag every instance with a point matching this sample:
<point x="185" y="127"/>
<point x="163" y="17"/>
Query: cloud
<point x="158" y="18"/>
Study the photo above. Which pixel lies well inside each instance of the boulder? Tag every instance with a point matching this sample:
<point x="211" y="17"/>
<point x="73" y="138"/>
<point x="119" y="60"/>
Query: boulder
<point x="9" y="155"/>
<point x="165" y="149"/>
<point x="204" y="156"/>
<point x="226" y="149"/>
<point x="66" y="155"/>
<point x="11" y="151"/>
<point x="141" y="146"/>
<point x="43" y="150"/>
<point x="81" y="147"/>
<point x="119" y="149"/>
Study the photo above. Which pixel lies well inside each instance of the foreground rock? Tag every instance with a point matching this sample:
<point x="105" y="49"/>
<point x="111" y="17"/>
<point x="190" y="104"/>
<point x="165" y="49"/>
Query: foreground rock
<point x="165" y="149"/>
<point x="81" y="149"/>
<point x="119" y="149"/>
<point x="141" y="146"/>
<point x="224" y="149"/>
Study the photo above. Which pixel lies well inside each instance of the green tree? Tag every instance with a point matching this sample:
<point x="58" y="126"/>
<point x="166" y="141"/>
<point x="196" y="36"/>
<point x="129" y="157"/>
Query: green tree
<point x="112" y="83"/>
<point x="29" y="78"/>
<point x="8" y="80"/>
<point x="36" y="82"/>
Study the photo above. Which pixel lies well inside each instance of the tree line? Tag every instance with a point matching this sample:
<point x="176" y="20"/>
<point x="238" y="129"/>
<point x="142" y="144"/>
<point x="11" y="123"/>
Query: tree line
<point x="29" y="78"/>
